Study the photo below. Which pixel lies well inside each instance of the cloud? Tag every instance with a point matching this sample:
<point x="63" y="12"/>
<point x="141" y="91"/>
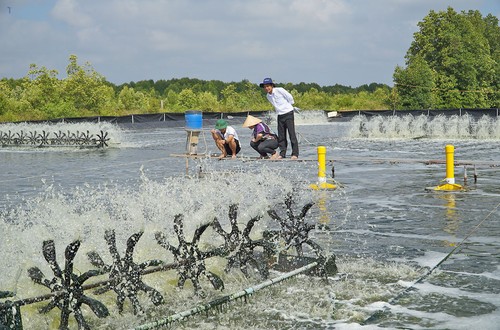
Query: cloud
<point x="69" y="12"/>
<point x="325" y="41"/>
<point x="318" y="12"/>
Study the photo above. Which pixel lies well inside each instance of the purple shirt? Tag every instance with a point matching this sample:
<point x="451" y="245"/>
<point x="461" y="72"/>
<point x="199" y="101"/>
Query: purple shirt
<point x="263" y="129"/>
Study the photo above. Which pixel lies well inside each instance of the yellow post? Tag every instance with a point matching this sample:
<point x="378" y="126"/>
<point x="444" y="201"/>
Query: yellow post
<point x="450" y="184"/>
<point x="321" y="164"/>
<point x="322" y="184"/>
<point x="450" y="164"/>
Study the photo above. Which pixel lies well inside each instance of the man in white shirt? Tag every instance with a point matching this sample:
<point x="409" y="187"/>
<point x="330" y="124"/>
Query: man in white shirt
<point x="226" y="139"/>
<point x="282" y="102"/>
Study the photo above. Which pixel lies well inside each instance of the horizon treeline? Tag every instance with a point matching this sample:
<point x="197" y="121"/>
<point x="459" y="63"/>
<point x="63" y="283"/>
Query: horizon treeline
<point x="41" y="95"/>
<point x="453" y="62"/>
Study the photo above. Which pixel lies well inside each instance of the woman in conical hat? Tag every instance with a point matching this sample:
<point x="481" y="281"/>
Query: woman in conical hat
<point x="263" y="140"/>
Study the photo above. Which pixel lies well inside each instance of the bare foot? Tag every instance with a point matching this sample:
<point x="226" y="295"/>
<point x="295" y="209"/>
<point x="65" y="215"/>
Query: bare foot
<point x="222" y="156"/>
<point x="233" y="156"/>
<point x="275" y="156"/>
<point x="294" y="157"/>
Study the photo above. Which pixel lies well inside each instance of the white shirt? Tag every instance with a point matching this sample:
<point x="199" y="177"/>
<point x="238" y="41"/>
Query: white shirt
<point x="230" y="131"/>
<point x="281" y="100"/>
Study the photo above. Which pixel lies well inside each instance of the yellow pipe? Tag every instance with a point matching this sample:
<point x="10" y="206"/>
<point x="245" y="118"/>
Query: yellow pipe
<point x="321" y="164"/>
<point x="450" y="184"/>
<point x="450" y="164"/>
<point x="322" y="184"/>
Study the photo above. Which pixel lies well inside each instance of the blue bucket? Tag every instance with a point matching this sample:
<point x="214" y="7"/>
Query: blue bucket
<point x="194" y="119"/>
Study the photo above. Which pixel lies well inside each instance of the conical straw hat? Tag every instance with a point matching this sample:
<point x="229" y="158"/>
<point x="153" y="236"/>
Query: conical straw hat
<point x="251" y="121"/>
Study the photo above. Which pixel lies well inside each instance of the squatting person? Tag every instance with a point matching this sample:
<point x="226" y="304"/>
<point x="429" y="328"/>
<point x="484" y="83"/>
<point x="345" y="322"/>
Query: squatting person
<point x="264" y="141"/>
<point x="226" y="139"/>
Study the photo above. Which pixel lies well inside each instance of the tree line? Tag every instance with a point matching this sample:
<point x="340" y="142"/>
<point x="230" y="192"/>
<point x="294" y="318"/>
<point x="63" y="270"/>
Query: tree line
<point x="453" y="62"/>
<point x="84" y="92"/>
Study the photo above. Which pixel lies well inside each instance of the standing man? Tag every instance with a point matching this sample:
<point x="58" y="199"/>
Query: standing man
<point x="282" y="102"/>
<point x="226" y="139"/>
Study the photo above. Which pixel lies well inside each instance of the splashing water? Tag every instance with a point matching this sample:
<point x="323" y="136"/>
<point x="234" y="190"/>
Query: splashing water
<point x="86" y="212"/>
<point x="438" y="127"/>
<point x="384" y="233"/>
<point x="308" y="117"/>
<point x="114" y="132"/>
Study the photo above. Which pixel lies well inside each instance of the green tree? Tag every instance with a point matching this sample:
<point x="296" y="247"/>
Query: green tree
<point x="230" y="98"/>
<point x="42" y="86"/>
<point x="208" y="102"/>
<point x="314" y="99"/>
<point x="414" y="84"/>
<point x="152" y="102"/>
<point x="459" y="49"/>
<point x="131" y="101"/>
<point x="343" y="101"/>
<point x="87" y="89"/>
<point x="171" y="100"/>
<point x="187" y="99"/>
<point x="377" y="100"/>
<point x="251" y="97"/>
<point x="4" y="98"/>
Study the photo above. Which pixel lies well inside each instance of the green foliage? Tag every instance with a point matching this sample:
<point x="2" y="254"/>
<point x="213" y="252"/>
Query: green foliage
<point x="454" y="61"/>
<point x="86" y="88"/>
<point x="415" y="84"/>
<point x="4" y="98"/>
<point x="313" y="99"/>
<point x="208" y="102"/>
<point x="187" y="99"/>
<point x="171" y="100"/>
<point x="84" y="92"/>
<point x="130" y="100"/>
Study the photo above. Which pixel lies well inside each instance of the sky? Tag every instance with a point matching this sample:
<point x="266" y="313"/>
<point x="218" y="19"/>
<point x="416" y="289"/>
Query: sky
<point x="328" y="42"/>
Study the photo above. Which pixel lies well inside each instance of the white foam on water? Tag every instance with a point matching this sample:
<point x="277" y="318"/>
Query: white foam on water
<point x="86" y="212"/>
<point x="114" y="132"/>
<point x="442" y="320"/>
<point x="438" y="127"/>
<point x="362" y="286"/>
<point x="426" y="288"/>
<point x="308" y="117"/>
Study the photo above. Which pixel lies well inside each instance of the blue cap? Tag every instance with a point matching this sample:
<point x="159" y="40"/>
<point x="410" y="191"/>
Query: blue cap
<point x="267" y="81"/>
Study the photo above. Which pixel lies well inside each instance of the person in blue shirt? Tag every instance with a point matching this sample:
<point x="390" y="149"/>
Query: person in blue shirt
<point x="263" y="140"/>
<point x="282" y="102"/>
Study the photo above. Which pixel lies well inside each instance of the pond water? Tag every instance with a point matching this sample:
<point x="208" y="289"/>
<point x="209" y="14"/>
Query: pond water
<point x="386" y="230"/>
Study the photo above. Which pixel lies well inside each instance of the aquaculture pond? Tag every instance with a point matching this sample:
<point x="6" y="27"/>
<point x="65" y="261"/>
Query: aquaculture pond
<point x="407" y="257"/>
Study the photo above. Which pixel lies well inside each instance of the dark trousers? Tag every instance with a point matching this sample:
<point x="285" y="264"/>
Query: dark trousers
<point x="286" y="123"/>
<point x="228" y="148"/>
<point x="265" y="147"/>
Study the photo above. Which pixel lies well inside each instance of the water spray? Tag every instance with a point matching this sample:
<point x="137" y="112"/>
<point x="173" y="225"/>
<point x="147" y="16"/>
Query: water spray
<point x="54" y="139"/>
<point x="225" y="299"/>
<point x="125" y="275"/>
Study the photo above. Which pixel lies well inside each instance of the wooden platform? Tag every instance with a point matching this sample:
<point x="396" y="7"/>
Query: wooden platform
<point x="240" y="158"/>
<point x="351" y="159"/>
<point x="414" y="161"/>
